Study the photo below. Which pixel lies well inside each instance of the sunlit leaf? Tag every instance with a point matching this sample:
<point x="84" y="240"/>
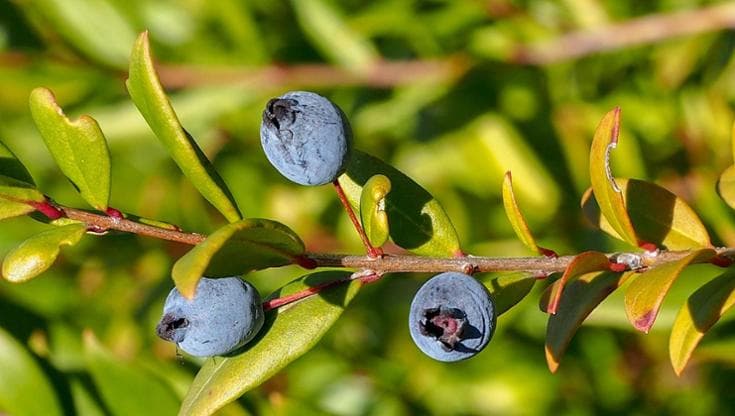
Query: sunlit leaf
<point x="38" y="253"/>
<point x="583" y="263"/>
<point x="703" y="309"/>
<point x="606" y="192"/>
<point x="78" y="147"/>
<point x="659" y="216"/>
<point x="417" y="221"/>
<point x="581" y="297"/>
<point x="127" y="389"/>
<point x="372" y="209"/>
<point x="17" y="198"/>
<point x="726" y="186"/>
<point x="237" y="248"/>
<point x="24" y="388"/>
<point x="11" y="167"/>
<point x="515" y="216"/>
<point x="509" y="289"/>
<point x="287" y="334"/>
<point x="152" y="102"/>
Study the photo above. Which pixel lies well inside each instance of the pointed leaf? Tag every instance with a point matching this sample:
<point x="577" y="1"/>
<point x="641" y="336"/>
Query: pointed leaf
<point x="38" y="253"/>
<point x="609" y="197"/>
<point x="581" y="297"/>
<point x="24" y="388"/>
<point x="509" y="289"/>
<point x="583" y="263"/>
<point x="726" y="186"/>
<point x="17" y="198"/>
<point x="148" y="95"/>
<point x="372" y="209"/>
<point x="515" y="216"/>
<point x="235" y="249"/>
<point x="78" y="147"/>
<point x="659" y="216"/>
<point x="703" y="309"/>
<point x="126" y="388"/>
<point x="11" y="167"/>
<point x="418" y="222"/>
<point x="646" y="293"/>
<point x="287" y="334"/>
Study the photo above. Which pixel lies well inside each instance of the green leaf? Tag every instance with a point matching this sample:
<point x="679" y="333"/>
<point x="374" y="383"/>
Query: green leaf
<point x="583" y="263"/>
<point x="235" y="249"/>
<point x="126" y="388"/>
<point x="509" y="289"/>
<point x="607" y="194"/>
<point x="417" y="221"/>
<point x="287" y="334"/>
<point x="11" y="167"/>
<point x="646" y="293"/>
<point x="24" y="388"/>
<point x="658" y="216"/>
<point x="17" y="198"/>
<point x="515" y="216"/>
<point x="148" y="95"/>
<point x="78" y="147"/>
<point x="581" y="297"/>
<point x="703" y="309"/>
<point x="38" y="253"/>
<point x="726" y="186"/>
<point x="372" y="210"/>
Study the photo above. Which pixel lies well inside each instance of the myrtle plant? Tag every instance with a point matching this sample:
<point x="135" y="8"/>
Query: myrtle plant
<point x="213" y="311"/>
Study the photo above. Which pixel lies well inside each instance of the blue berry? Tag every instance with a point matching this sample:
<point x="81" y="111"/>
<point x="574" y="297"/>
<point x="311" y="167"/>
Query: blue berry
<point x="224" y="315"/>
<point x="452" y="317"/>
<point x="306" y="137"/>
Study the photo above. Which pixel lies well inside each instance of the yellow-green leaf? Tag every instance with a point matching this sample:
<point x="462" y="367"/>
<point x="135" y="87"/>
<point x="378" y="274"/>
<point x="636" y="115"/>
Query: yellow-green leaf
<point x="702" y="310"/>
<point x="287" y="334"/>
<point x="372" y="209"/>
<point x="609" y="197"/>
<point x="17" y="198"/>
<point x="583" y="263"/>
<point x="417" y="221"/>
<point x="38" y="253"/>
<point x="509" y="289"/>
<point x="581" y="297"/>
<point x="658" y="216"/>
<point x="646" y="293"/>
<point x="515" y="216"/>
<point x="235" y="249"/>
<point x="147" y="93"/>
<point x="78" y="147"/>
<point x="726" y="186"/>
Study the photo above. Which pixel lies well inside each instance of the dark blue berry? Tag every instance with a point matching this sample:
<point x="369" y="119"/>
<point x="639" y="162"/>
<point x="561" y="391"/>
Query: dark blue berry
<point x="224" y="315"/>
<point x="306" y="137"/>
<point x="452" y="317"/>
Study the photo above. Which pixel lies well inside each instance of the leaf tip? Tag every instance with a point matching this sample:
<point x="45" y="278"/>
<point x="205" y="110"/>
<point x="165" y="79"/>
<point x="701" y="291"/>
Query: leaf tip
<point x="644" y="322"/>
<point x="551" y="361"/>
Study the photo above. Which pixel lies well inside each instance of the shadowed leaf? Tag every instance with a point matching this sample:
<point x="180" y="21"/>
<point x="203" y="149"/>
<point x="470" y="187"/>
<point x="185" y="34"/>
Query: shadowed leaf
<point x="372" y="209"/>
<point x="287" y="334"/>
<point x="417" y="221"/>
<point x="78" y="147"/>
<point x="702" y="310"/>
<point x="235" y="249"/>
<point x="11" y="167"/>
<point x="646" y="293"/>
<point x="509" y="289"/>
<point x="583" y="263"/>
<point x="152" y="102"/>
<point x="33" y="256"/>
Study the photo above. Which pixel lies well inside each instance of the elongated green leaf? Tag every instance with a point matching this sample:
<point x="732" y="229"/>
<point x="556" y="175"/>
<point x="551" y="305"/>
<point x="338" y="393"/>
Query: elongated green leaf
<point x="38" y="253"/>
<point x="148" y="95"/>
<point x="609" y="197"/>
<point x="235" y="249"/>
<point x="11" y="167"/>
<point x="78" y="147"/>
<point x="515" y="216"/>
<point x="372" y="209"/>
<point x="509" y="289"/>
<point x="24" y="388"/>
<point x="581" y="297"/>
<point x="659" y="216"/>
<point x="646" y="293"/>
<point x="286" y="335"/>
<point x="703" y="309"/>
<point x="417" y="221"/>
<point x="125" y="387"/>
<point x="726" y="186"/>
<point x="17" y="198"/>
<point x="583" y="263"/>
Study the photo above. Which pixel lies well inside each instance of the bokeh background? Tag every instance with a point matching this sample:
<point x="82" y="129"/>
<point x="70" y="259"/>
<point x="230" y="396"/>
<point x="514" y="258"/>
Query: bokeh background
<point x="453" y="93"/>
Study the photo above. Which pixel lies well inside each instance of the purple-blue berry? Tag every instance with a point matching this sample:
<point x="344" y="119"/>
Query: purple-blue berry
<point x="306" y="137"/>
<point x="224" y="315"/>
<point x="452" y="317"/>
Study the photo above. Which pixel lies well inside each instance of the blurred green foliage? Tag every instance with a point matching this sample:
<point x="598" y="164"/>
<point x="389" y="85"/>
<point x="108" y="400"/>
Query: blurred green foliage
<point x="432" y="87"/>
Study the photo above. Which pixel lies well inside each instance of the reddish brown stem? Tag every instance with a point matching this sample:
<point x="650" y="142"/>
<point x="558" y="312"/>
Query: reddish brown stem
<point x="373" y="252"/>
<point x="288" y="299"/>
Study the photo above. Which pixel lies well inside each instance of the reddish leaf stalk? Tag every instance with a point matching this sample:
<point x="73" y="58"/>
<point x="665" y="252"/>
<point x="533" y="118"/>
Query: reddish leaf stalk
<point x="372" y="251"/>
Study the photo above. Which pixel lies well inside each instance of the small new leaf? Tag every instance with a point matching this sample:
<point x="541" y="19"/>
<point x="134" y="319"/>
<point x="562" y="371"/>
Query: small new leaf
<point x="78" y="147"/>
<point x="372" y="209"/>
<point x="516" y="218"/>
<point x="235" y="249"/>
<point x="17" y="198"/>
<point x="38" y="253"/>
